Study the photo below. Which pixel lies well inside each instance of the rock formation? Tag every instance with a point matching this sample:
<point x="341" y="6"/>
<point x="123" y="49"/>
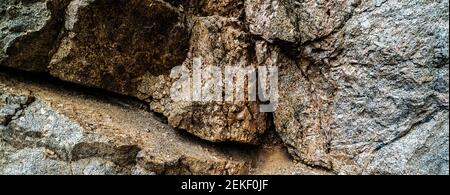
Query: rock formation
<point x="363" y="86"/>
<point x="48" y="130"/>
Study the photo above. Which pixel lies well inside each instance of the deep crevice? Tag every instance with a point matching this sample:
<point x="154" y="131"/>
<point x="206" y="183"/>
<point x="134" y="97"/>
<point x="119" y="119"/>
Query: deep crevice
<point x="102" y="94"/>
<point x="248" y="151"/>
<point x="117" y="99"/>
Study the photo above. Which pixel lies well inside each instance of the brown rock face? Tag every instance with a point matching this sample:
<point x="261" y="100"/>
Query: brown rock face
<point x="219" y="42"/>
<point x="45" y="129"/>
<point x="303" y="107"/>
<point x="369" y="97"/>
<point x="130" y="47"/>
<point x="108" y="44"/>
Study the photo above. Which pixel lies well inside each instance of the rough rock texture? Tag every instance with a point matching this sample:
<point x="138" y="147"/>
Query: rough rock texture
<point x="129" y="47"/>
<point x="372" y="96"/>
<point x="47" y="130"/>
<point x="363" y="85"/>
<point x="293" y="21"/>
<point x="29" y="31"/>
<point x="218" y="42"/>
<point x="228" y="8"/>
<point x="109" y="44"/>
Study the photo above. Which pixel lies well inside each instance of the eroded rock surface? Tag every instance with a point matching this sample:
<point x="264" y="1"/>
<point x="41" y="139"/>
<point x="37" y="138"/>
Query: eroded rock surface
<point x="47" y="130"/>
<point x="227" y="8"/>
<point x="129" y="47"/>
<point x="29" y="31"/>
<point x="294" y="21"/>
<point x="351" y="98"/>
<point x="216" y="41"/>
<point x="363" y="85"/>
<point x="110" y="44"/>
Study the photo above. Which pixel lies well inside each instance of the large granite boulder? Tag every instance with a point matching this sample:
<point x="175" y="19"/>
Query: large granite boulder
<point x="370" y="95"/>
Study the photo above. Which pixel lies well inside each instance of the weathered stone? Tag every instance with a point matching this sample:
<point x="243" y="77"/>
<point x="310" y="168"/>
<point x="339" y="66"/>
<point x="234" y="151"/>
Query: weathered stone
<point x="371" y="97"/>
<point x="61" y="132"/>
<point x="218" y="42"/>
<point x="29" y="31"/>
<point x="139" y="60"/>
<point x="296" y="21"/>
<point x="109" y="44"/>
<point x="116" y="45"/>
<point x="302" y="114"/>
<point x="363" y="85"/>
<point x="227" y="8"/>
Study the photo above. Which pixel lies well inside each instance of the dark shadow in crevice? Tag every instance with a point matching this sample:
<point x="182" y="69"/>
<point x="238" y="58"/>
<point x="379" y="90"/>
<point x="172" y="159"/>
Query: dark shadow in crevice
<point x="125" y="101"/>
<point x="231" y="148"/>
<point x="235" y="149"/>
<point x="46" y="79"/>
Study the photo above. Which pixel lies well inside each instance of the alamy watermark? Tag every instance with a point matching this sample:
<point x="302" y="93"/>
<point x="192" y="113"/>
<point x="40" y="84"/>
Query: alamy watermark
<point x="231" y="84"/>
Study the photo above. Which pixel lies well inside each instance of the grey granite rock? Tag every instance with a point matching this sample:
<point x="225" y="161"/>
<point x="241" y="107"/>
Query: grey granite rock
<point x="29" y="31"/>
<point x="379" y="83"/>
